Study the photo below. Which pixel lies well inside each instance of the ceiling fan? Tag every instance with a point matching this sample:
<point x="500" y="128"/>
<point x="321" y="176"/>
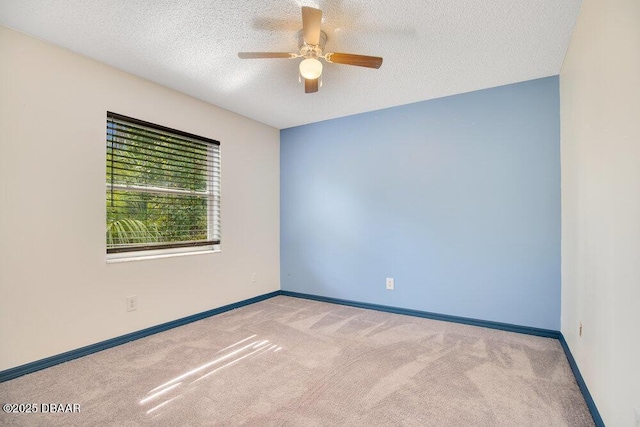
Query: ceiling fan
<point x="311" y="41"/>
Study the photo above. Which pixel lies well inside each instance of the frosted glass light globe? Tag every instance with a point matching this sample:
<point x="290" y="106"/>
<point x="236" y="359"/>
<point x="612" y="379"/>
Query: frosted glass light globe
<point x="310" y="68"/>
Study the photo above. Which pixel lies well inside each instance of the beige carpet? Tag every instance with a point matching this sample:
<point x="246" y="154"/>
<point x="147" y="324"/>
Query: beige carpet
<point x="295" y="362"/>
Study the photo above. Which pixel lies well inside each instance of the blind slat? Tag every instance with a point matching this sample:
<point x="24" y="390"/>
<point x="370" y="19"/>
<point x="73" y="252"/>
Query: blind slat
<point x="122" y="143"/>
<point x="155" y="175"/>
<point x="159" y="131"/>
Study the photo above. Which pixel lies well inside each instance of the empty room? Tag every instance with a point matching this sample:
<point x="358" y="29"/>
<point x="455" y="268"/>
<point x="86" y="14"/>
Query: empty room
<point x="320" y="213"/>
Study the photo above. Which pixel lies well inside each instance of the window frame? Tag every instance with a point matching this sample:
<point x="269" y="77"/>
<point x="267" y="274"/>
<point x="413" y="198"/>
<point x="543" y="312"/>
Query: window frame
<point x="211" y="194"/>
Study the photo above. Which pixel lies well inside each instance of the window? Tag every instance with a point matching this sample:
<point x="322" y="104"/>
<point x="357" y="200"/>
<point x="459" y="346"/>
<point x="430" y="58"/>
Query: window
<point x="163" y="189"/>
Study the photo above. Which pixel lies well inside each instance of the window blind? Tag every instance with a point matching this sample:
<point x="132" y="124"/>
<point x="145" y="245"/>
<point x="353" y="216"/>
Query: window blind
<point x="163" y="187"/>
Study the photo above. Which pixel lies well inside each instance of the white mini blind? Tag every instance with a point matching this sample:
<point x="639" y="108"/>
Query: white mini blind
<point x="163" y="187"/>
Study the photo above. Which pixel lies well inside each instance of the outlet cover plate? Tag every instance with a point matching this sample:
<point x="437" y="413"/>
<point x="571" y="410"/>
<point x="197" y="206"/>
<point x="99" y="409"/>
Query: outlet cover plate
<point x="132" y="303"/>
<point x="390" y="284"/>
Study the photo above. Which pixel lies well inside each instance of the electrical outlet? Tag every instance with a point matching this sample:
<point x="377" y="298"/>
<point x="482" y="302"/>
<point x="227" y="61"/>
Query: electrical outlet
<point x="638" y="416"/>
<point x="132" y="303"/>
<point x="390" y="284"/>
<point x="253" y="277"/>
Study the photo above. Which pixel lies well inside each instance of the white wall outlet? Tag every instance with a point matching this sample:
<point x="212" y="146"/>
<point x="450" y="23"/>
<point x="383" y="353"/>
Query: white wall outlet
<point x="390" y="284"/>
<point x="132" y="303"/>
<point x="253" y="277"/>
<point x="638" y="416"/>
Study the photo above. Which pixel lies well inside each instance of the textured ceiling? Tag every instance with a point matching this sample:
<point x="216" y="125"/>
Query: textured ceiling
<point x="431" y="48"/>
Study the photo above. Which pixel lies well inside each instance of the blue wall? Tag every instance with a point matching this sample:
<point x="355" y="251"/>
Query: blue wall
<point x="456" y="198"/>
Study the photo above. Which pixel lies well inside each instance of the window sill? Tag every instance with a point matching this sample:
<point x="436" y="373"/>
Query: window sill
<point x="119" y="258"/>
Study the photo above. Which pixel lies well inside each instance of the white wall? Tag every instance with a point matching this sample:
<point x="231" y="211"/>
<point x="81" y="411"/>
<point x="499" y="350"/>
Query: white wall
<point x="600" y="122"/>
<point x="56" y="291"/>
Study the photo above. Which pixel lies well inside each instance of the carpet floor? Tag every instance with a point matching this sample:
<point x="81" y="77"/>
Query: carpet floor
<point x="294" y="362"/>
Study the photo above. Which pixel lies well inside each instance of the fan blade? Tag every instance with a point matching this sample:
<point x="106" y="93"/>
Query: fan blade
<point x="311" y="19"/>
<point x="311" y="85"/>
<point x="351" y="59"/>
<point x="262" y="55"/>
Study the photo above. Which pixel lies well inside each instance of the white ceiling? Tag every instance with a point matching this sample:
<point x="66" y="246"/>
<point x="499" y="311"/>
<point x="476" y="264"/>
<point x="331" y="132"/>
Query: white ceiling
<point x="431" y="48"/>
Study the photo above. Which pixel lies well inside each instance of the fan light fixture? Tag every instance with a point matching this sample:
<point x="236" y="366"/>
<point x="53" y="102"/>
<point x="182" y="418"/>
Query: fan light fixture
<point x="311" y="68"/>
<point x="311" y="42"/>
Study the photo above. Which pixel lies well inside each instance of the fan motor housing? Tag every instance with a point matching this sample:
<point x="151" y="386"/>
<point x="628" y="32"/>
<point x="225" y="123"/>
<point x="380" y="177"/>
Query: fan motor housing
<point x="310" y="50"/>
